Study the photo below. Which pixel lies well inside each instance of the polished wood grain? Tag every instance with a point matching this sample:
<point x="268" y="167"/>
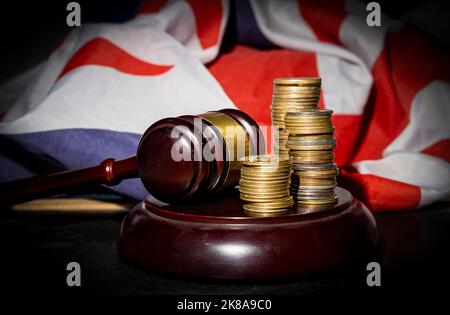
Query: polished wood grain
<point x="218" y="240"/>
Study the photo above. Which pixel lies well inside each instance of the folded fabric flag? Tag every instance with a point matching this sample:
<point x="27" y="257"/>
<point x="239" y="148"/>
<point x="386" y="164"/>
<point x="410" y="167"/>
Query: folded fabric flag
<point x="106" y="83"/>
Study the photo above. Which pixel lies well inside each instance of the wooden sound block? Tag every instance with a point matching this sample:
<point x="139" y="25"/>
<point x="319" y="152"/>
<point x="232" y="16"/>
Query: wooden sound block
<point x="220" y="240"/>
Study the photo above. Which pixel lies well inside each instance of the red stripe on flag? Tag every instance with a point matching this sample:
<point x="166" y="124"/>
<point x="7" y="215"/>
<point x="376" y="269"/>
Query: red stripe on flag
<point x="151" y="6"/>
<point x="415" y="63"/>
<point x="246" y="74"/>
<point x="208" y="19"/>
<point x="324" y="17"/>
<point x="384" y="117"/>
<point x="440" y="149"/>
<point x="406" y="65"/>
<point x="101" y="52"/>
<point x="378" y="192"/>
<point x="347" y="130"/>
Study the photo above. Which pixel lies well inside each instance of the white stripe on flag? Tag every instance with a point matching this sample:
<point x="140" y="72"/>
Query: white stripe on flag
<point x="428" y="120"/>
<point x="430" y="174"/>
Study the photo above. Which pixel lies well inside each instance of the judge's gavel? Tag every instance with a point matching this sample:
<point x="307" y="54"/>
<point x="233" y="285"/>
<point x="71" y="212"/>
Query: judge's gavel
<point x="177" y="159"/>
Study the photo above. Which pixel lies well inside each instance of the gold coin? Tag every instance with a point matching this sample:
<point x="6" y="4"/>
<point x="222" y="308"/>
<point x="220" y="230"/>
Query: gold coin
<point x="328" y="166"/>
<point x="255" y="211"/>
<point x="317" y="194"/>
<point x="299" y="91"/>
<point x="316" y="182"/>
<point x="267" y="168"/>
<point x="317" y="173"/>
<point x="325" y="195"/>
<point x="311" y="142"/>
<point x="273" y="189"/>
<point x="250" y="185"/>
<point x="258" y="206"/>
<point x="334" y="199"/>
<point x="313" y="153"/>
<point x="304" y="173"/>
<point x="307" y="122"/>
<point x="310" y="147"/>
<point x="314" y="162"/>
<point x="320" y="112"/>
<point x="307" y="125"/>
<point x="301" y="159"/>
<point x="311" y="137"/>
<point x="262" y="206"/>
<point x="248" y="190"/>
<point x="285" y="104"/>
<point x="262" y="181"/>
<point x="262" y="174"/>
<point x="306" y="116"/>
<point x="304" y="187"/>
<point x="265" y="189"/>
<point x="296" y="176"/>
<point x="277" y="112"/>
<point x="295" y="88"/>
<point x="309" y="131"/>
<point x="257" y="177"/>
<point x="265" y="194"/>
<point x="261" y="187"/>
<point x="270" y="213"/>
<point x="260" y="199"/>
<point x="304" y="97"/>
<point x="274" y="170"/>
<point x="300" y="81"/>
<point x="298" y="96"/>
<point x="284" y="101"/>
<point x="297" y="157"/>
<point x="275" y="162"/>
<point x="262" y="160"/>
<point x="316" y="176"/>
<point x="282" y="110"/>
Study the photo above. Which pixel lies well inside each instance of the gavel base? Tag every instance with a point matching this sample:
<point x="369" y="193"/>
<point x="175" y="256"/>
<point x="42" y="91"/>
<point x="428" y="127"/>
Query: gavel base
<point x="219" y="240"/>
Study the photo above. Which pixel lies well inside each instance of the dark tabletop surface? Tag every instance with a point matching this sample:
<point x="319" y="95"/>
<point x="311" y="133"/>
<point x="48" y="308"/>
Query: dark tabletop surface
<point x="37" y="248"/>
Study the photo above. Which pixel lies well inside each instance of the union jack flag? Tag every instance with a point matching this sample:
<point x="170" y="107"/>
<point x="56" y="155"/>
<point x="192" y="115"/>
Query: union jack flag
<point x="105" y="84"/>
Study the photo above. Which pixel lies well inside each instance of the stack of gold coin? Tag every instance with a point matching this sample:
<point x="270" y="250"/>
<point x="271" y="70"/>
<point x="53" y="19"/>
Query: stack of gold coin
<point x="311" y="143"/>
<point x="264" y="184"/>
<point x="291" y="95"/>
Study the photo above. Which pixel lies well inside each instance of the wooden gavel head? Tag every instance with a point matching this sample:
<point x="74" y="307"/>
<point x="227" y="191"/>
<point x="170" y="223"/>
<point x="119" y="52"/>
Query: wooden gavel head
<point x="192" y="156"/>
<point x="177" y="159"/>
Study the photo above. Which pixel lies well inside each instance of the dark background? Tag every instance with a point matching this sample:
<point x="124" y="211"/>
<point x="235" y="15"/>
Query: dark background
<point x="35" y="249"/>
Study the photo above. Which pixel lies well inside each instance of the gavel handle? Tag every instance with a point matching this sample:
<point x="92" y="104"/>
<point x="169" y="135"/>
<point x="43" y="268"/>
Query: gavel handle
<point x="109" y="172"/>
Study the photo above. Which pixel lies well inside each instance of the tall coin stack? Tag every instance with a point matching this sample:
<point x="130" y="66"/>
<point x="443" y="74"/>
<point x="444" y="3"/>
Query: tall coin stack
<point x="291" y="95"/>
<point x="311" y="143"/>
<point x="264" y="184"/>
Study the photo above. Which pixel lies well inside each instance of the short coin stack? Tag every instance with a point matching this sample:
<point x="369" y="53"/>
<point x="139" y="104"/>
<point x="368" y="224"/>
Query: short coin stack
<point x="264" y="184"/>
<point x="311" y="143"/>
<point x="291" y="95"/>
